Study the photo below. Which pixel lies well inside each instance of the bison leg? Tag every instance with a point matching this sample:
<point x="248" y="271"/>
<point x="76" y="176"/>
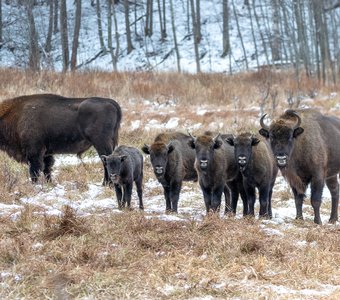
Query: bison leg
<point x="175" y="190"/>
<point x="226" y="192"/>
<point x="119" y="195"/>
<point x="48" y="164"/>
<point x="103" y="149"/>
<point x="298" y="203"/>
<point x="244" y="200"/>
<point x="127" y="194"/>
<point x="167" y="198"/>
<point x="316" y="195"/>
<point x="251" y="197"/>
<point x="140" y="192"/>
<point x="207" y="195"/>
<point x="263" y="198"/>
<point x="216" y="199"/>
<point x="234" y="195"/>
<point x="333" y="186"/>
<point x="35" y="165"/>
<point x="270" y="213"/>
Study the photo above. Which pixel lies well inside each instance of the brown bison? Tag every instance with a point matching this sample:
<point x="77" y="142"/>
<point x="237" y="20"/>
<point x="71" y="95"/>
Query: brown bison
<point x="34" y="128"/>
<point x="258" y="168"/>
<point x="217" y="169"/>
<point x="173" y="162"/>
<point x="125" y="166"/>
<point x="306" y="146"/>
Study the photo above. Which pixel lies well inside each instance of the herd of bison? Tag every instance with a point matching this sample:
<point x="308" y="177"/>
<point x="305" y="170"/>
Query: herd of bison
<point x="303" y="144"/>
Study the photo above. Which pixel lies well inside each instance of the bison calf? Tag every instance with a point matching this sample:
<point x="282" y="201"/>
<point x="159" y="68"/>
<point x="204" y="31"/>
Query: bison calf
<point x="173" y="162"/>
<point x="125" y="166"/>
<point x="217" y="169"/>
<point x="258" y="169"/>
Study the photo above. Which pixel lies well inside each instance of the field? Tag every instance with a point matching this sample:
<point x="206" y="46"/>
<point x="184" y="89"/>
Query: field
<point x="68" y="240"/>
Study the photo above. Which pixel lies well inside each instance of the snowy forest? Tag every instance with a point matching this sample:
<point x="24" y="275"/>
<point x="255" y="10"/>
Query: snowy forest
<point x="175" y="35"/>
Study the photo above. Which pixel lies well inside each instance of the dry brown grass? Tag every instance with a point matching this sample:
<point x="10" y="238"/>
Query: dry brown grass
<point x="129" y="256"/>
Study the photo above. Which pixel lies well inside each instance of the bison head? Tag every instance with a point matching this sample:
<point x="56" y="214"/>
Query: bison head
<point x="243" y="144"/>
<point x="113" y="164"/>
<point x="281" y="135"/>
<point x="159" y="153"/>
<point x="205" y="146"/>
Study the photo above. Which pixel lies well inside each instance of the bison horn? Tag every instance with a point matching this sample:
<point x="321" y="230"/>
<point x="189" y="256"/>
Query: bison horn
<point x="298" y="123"/>
<point x="264" y="126"/>
<point x="216" y="137"/>
<point x="193" y="137"/>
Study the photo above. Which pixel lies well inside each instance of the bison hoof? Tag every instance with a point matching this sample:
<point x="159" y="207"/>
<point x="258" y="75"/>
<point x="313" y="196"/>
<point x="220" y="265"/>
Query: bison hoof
<point x="332" y="220"/>
<point x="317" y="221"/>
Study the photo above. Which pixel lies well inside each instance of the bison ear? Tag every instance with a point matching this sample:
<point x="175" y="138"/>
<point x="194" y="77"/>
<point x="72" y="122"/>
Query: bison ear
<point x="146" y="149"/>
<point x="298" y="131"/>
<point x="254" y="141"/>
<point x="230" y="141"/>
<point x="171" y="148"/>
<point x="191" y="143"/>
<point x="264" y="133"/>
<point x="123" y="157"/>
<point x="218" y="143"/>
<point x="104" y="159"/>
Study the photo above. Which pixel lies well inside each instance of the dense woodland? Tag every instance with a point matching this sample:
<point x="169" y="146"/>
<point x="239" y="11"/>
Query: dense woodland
<point x="303" y="34"/>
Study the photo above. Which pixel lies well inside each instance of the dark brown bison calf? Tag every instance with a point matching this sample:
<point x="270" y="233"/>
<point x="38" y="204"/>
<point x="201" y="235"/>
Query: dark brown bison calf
<point x="306" y="146"/>
<point x="34" y="128"/>
<point x="258" y="169"/>
<point x="217" y="171"/>
<point x="125" y="166"/>
<point x="173" y="162"/>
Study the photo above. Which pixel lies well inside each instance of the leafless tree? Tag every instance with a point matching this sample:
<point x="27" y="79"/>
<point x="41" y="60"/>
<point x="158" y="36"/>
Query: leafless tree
<point x="34" y="58"/>
<point x="48" y="44"/>
<point x="127" y="25"/>
<point x="64" y="35"/>
<point x="225" y="30"/>
<point x="75" y="43"/>
<point x="99" y="23"/>
<point x="178" y="58"/>
<point x="196" y="36"/>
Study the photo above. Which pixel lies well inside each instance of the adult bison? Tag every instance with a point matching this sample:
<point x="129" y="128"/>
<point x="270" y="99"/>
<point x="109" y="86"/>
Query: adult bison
<point x="306" y="146"/>
<point x="173" y="162"/>
<point x="217" y="171"/>
<point x="258" y="169"/>
<point x="34" y="128"/>
<point x="125" y="166"/>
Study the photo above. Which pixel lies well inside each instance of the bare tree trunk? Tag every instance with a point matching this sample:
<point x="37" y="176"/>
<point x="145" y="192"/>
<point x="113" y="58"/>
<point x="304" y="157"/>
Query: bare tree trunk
<point x="178" y="58"/>
<point x="127" y="25"/>
<point x="76" y="35"/>
<point x="34" y="59"/>
<point x="149" y="18"/>
<point x="56" y="10"/>
<point x="260" y="31"/>
<point x="164" y="18"/>
<point x="195" y="36"/>
<point x="253" y="35"/>
<point x="225" y="30"/>
<point x="109" y="33"/>
<point x="198" y="20"/>
<point x="99" y="23"/>
<point x="240" y="35"/>
<point x="48" y="45"/>
<point x="64" y="35"/>
<point x="0" y="23"/>
<point x="160" y="12"/>
<point x="276" y="39"/>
